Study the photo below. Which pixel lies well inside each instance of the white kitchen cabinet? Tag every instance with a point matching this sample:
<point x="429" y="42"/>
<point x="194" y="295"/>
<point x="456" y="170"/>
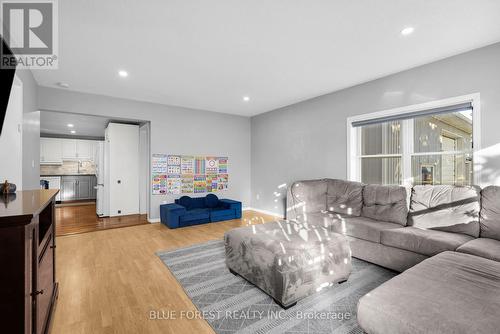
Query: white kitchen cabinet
<point x="95" y="150"/>
<point x="69" y="147"/>
<point x="78" y="149"/>
<point x="83" y="149"/>
<point x="50" y="151"/>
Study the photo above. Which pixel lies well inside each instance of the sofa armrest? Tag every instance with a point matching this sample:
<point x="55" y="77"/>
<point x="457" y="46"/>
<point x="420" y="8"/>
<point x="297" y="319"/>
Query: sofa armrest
<point x="170" y="213"/>
<point x="230" y="204"/>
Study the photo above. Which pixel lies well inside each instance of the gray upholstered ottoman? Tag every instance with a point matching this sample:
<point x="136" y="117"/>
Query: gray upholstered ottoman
<point x="288" y="260"/>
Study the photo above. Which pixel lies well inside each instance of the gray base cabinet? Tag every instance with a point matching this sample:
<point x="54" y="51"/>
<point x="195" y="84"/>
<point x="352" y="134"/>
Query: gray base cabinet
<point x="78" y="187"/>
<point x="93" y="186"/>
<point x="68" y="188"/>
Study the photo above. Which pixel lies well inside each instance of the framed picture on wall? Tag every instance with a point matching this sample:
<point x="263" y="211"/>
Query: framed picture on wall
<point x="427" y="174"/>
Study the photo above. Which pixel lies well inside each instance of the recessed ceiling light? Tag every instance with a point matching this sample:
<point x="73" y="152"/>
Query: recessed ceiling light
<point x="70" y="125"/>
<point x="63" y="84"/>
<point x="407" y="31"/>
<point x="246" y="98"/>
<point x="73" y="131"/>
<point x="123" y="73"/>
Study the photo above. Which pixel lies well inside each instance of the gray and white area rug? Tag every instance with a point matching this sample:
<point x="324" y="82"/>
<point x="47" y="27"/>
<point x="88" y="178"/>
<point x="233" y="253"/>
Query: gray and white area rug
<point x="232" y="305"/>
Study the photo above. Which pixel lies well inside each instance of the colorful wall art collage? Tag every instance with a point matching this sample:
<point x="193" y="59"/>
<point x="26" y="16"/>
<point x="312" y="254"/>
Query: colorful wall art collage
<point x="186" y="174"/>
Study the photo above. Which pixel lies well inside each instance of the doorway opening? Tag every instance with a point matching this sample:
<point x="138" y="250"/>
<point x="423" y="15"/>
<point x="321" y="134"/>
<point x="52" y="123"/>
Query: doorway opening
<point x="101" y="167"/>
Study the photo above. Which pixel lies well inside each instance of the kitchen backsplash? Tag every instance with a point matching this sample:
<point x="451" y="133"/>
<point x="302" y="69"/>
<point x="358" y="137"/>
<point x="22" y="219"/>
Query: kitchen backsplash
<point x="68" y="167"/>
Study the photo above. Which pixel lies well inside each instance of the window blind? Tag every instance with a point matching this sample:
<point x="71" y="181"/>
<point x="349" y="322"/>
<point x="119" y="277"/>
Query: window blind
<point x="441" y="110"/>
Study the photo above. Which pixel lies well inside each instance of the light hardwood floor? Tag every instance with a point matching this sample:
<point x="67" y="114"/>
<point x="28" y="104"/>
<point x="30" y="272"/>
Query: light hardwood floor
<point x="110" y="280"/>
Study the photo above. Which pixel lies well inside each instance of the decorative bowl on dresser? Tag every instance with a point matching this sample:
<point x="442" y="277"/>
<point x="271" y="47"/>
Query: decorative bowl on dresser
<point x="27" y="261"/>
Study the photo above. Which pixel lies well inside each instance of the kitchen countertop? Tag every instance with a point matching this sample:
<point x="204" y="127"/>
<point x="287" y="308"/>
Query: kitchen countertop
<point x="75" y="174"/>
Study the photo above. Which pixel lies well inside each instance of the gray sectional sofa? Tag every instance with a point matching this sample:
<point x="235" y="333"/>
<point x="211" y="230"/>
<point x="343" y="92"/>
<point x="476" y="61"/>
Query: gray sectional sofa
<point x="445" y="240"/>
<point x="398" y="227"/>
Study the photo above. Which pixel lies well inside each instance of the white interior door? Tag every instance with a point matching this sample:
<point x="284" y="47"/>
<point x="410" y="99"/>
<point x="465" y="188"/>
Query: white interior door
<point x="124" y="169"/>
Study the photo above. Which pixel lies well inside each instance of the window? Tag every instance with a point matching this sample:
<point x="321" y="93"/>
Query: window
<point x="426" y="144"/>
<point x="380" y="158"/>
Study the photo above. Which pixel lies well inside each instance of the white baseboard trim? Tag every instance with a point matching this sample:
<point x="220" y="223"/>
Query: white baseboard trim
<point x="266" y="212"/>
<point x="154" y="220"/>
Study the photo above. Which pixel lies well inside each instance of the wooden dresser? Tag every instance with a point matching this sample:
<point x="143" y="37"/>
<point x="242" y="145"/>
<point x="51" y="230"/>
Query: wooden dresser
<point x="27" y="261"/>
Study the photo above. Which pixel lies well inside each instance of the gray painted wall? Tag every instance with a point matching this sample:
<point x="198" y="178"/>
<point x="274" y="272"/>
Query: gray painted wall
<point x="31" y="131"/>
<point x="174" y="130"/>
<point x="308" y="140"/>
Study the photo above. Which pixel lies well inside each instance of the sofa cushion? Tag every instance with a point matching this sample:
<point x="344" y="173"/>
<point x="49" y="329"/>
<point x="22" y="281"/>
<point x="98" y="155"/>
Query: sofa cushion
<point x="490" y="212"/>
<point x="195" y="214"/>
<point x="426" y="242"/>
<point x="325" y="219"/>
<point x="445" y="208"/>
<point x="218" y="212"/>
<point x="483" y="247"/>
<point x="211" y="201"/>
<point x="385" y="203"/>
<point x="344" y="197"/>
<point x="366" y="228"/>
<point x="307" y="196"/>
<point x="449" y="293"/>
<point x="390" y="257"/>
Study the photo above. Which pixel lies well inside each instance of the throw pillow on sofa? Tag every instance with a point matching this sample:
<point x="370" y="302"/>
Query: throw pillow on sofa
<point x="211" y="201"/>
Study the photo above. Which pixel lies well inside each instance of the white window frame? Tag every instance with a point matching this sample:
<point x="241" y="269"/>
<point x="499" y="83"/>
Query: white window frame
<point x="407" y="151"/>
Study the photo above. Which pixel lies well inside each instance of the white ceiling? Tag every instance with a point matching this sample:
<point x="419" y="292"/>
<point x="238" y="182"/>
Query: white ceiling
<point x="56" y="123"/>
<point x="209" y="54"/>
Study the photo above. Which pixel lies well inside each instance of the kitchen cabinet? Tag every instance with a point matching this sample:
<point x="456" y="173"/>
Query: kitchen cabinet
<point x="78" y="187"/>
<point x="50" y="151"/>
<point x="68" y="188"/>
<point x="69" y="147"/>
<point x="84" y="187"/>
<point x="93" y="187"/>
<point x="95" y="151"/>
<point x="77" y="149"/>
<point x="84" y="150"/>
